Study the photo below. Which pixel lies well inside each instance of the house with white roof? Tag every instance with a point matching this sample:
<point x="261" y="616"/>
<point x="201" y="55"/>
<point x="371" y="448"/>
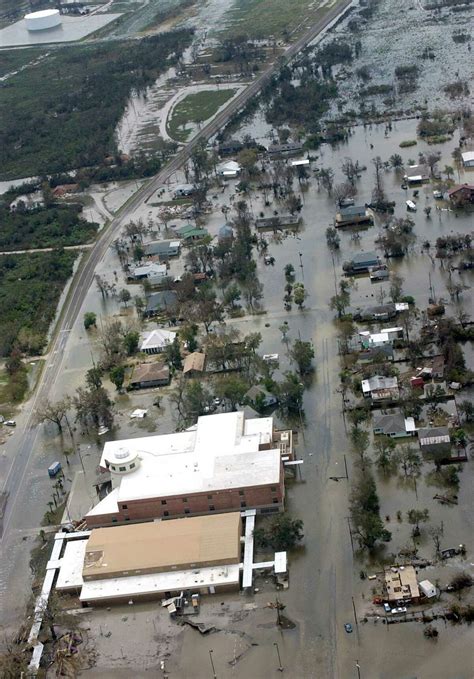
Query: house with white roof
<point x="156" y="341"/>
<point x="379" y="388"/>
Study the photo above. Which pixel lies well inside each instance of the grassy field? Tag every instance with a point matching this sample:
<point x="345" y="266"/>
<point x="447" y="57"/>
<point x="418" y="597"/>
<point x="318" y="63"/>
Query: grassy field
<point x="267" y="18"/>
<point x="195" y="108"/>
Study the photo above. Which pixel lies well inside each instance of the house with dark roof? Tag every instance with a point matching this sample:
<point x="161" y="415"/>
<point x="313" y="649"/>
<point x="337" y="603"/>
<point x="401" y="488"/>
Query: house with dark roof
<point x="163" y="249"/>
<point x="285" y="150"/>
<point x="158" y="302"/>
<point x="394" y="424"/>
<point x="361" y="262"/>
<point x="353" y="214"/>
<point x="434" y="440"/>
<point x="149" y="375"/>
<point x="190" y="232"/>
<point x="460" y="194"/>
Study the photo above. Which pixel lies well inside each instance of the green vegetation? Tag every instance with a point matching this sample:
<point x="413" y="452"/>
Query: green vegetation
<point x="283" y="533"/>
<point x="30" y="286"/>
<point x="43" y="228"/>
<point x="196" y="108"/>
<point x="265" y="18"/>
<point x="407" y="143"/>
<point x="62" y="113"/>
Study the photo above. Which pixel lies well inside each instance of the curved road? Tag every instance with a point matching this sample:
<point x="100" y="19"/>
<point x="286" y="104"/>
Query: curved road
<point x="25" y="443"/>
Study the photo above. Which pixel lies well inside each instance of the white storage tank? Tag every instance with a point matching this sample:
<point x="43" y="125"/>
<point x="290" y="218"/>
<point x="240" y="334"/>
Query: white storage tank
<point x="42" y="20"/>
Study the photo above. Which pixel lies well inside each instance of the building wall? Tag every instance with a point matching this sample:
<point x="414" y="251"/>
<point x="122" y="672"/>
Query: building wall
<point x="227" y="587"/>
<point x="256" y="497"/>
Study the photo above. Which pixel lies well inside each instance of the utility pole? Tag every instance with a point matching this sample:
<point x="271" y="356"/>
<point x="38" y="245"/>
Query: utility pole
<point x="280" y="666"/>
<point x="355" y="614"/>
<point x="301" y="265"/>
<point x="347" y="473"/>
<point x="350" y="533"/>
<point x="214" y="675"/>
<point x="358" y="669"/>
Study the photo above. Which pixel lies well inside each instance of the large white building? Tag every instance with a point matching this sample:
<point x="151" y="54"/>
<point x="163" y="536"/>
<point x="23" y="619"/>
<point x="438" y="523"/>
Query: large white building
<point x="223" y="463"/>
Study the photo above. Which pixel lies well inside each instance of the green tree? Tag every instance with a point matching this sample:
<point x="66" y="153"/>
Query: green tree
<point x="188" y="334"/>
<point x="290" y="393"/>
<point x="417" y="516"/>
<point x="173" y="354"/>
<point x="191" y="399"/>
<point x="302" y="354"/>
<point x="131" y="341"/>
<point x="410" y="461"/>
<point x="125" y="296"/>
<point x="360" y="444"/>
<point x="466" y="409"/>
<point x="94" y="377"/>
<point x="384" y="449"/>
<point x="299" y="294"/>
<point x="396" y="160"/>
<point x="332" y="238"/>
<point x="231" y="389"/>
<point x="367" y="525"/>
<point x="284" y="533"/>
<point x="231" y="296"/>
<point x="93" y="406"/>
<point x="90" y="319"/>
<point x="117" y="376"/>
<point x="289" y="272"/>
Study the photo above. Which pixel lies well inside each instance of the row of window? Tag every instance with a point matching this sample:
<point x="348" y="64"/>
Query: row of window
<point x="122" y="469"/>
<point x="210" y="497"/>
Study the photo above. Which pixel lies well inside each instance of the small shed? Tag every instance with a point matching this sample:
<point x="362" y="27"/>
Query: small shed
<point x="427" y="589"/>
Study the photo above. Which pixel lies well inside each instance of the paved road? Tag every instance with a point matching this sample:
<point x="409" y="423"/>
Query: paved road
<point x="25" y="439"/>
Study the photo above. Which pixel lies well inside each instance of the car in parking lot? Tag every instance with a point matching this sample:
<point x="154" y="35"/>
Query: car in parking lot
<point x="386" y="608"/>
<point x="10" y="423"/>
<point x="348" y="627"/>
<point x="400" y="609"/>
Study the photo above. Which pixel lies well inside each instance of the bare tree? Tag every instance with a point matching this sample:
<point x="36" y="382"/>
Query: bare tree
<point x="54" y="412"/>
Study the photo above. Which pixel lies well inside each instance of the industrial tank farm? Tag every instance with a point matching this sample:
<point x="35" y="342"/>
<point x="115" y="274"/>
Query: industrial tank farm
<point x="41" y="21"/>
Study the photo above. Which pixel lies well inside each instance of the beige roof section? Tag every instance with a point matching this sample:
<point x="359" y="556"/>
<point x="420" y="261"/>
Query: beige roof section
<point x="401" y="583"/>
<point x="160" y="546"/>
<point x="194" y="361"/>
<point x="149" y="372"/>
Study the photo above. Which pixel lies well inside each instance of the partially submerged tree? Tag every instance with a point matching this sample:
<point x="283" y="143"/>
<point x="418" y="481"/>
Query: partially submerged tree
<point x="302" y="354"/>
<point x="284" y="533"/>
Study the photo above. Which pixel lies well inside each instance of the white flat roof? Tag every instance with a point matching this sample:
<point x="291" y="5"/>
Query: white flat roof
<point x="302" y="161"/>
<point x="71" y="565"/>
<point x="222" y="451"/>
<point x="156" y="583"/>
<point x="467" y="156"/>
<point x="106" y="506"/>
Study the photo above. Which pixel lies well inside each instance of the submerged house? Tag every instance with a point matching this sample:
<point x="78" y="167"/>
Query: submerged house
<point x="353" y="214"/>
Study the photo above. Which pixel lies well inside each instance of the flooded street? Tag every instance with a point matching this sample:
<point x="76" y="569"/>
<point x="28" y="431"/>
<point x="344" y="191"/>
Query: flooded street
<point x="324" y="574"/>
<point x="326" y="590"/>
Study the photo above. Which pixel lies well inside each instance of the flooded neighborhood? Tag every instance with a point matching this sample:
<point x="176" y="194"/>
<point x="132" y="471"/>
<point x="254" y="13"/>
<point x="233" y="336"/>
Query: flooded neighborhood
<point x="236" y="384"/>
